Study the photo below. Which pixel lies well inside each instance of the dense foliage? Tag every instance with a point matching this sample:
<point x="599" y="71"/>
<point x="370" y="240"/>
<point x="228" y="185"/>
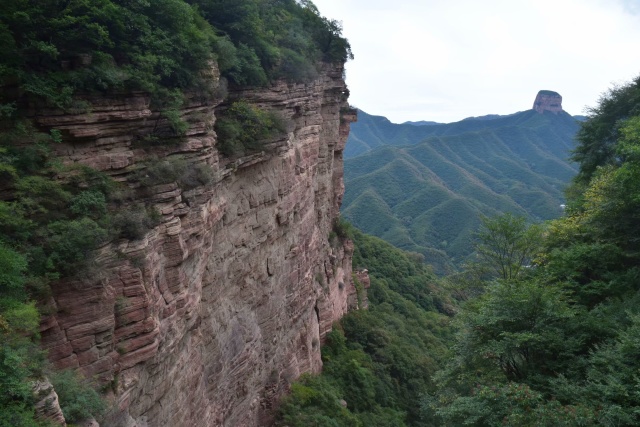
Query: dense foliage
<point x="51" y="49"/>
<point x="599" y="134"/>
<point x="264" y="40"/>
<point x="558" y="344"/>
<point x="243" y="128"/>
<point x="381" y="360"/>
<point x="48" y="228"/>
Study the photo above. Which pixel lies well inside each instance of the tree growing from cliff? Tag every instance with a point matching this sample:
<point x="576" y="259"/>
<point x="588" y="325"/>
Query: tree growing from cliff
<point x="243" y="128"/>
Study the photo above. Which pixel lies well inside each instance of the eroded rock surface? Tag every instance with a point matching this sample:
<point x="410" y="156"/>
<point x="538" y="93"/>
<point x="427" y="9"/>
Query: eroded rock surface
<point x="207" y="319"/>
<point x="47" y="405"/>
<point x="548" y="100"/>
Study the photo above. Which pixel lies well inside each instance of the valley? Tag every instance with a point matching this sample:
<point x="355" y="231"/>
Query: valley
<point x="425" y="188"/>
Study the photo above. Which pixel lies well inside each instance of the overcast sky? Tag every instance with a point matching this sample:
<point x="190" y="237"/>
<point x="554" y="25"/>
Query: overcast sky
<point x="444" y="60"/>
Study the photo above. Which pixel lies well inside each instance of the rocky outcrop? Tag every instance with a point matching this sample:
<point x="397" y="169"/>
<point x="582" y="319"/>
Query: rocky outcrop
<point x="357" y="298"/>
<point x="208" y="317"/>
<point x="47" y="406"/>
<point x="548" y="100"/>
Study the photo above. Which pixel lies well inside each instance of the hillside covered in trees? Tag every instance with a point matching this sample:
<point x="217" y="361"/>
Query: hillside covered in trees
<point x="425" y="188"/>
<point x="547" y="326"/>
<point x="380" y="361"/>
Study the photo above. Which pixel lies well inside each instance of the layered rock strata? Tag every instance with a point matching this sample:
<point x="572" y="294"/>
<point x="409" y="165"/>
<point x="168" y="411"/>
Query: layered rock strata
<point x="548" y="100"/>
<point x="47" y="406"/>
<point x="208" y="318"/>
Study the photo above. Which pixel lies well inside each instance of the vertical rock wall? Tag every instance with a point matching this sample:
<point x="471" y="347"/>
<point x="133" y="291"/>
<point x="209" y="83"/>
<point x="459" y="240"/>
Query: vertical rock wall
<point x="207" y="318"/>
<point x="548" y="100"/>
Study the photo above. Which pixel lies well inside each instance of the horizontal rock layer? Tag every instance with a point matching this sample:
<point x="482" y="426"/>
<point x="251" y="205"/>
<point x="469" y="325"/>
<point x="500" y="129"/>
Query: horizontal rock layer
<point x="547" y="100"/>
<point x="207" y="318"/>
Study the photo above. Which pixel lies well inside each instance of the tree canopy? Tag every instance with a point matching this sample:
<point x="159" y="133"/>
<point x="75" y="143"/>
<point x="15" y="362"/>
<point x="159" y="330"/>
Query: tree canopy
<point x="599" y="134"/>
<point x="556" y="347"/>
<point x="52" y="49"/>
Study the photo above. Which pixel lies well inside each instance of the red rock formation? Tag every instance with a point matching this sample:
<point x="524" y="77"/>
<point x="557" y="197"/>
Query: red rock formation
<point x="547" y="100"/>
<point x="47" y="405"/>
<point x="207" y="319"/>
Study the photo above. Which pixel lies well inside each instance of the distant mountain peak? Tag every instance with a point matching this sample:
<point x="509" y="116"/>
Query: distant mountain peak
<point x="421" y="123"/>
<point x="548" y="100"/>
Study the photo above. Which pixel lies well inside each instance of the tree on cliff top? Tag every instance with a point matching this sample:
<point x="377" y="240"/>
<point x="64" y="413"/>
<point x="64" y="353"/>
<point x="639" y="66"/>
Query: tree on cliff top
<point x="51" y="50"/>
<point x="274" y="39"/>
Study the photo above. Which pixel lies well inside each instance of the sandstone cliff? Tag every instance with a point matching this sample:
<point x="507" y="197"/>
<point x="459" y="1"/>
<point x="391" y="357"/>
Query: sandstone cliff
<point x="547" y="100"/>
<point x="206" y="319"/>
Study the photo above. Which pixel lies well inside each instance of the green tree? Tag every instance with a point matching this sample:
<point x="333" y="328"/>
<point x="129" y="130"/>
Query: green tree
<point x="559" y="346"/>
<point x="519" y="327"/>
<point x="20" y="358"/>
<point x="507" y="245"/>
<point x="79" y="400"/>
<point x="599" y="134"/>
<point x="243" y="128"/>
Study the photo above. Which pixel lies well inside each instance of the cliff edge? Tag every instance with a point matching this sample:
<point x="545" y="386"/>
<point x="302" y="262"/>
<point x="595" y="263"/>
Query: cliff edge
<point x="208" y="317"/>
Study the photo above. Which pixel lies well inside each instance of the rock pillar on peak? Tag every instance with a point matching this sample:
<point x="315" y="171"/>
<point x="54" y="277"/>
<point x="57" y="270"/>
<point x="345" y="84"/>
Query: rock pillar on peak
<point x="548" y="100"/>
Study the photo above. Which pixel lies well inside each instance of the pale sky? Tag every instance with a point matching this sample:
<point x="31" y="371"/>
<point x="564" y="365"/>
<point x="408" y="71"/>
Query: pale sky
<point x="444" y="60"/>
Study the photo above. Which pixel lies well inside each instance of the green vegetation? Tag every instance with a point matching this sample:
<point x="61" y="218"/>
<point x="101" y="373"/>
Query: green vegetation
<point x="265" y="40"/>
<point x="507" y="245"/>
<point x="557" y="344"/>
<point x="52" y="50"/>
<point x="244" y="128"/>
<point x="426" y="188"/>
<point x="53" y="55"/>
<point x="174" y="169"/>
<point x="48" y="229"/>
<point x="381" y="360"/>
<point x="599" y="134"/>
<point x="55" y="223"/>
<point x="78" y="398"/>
<point x="547" y="326"/>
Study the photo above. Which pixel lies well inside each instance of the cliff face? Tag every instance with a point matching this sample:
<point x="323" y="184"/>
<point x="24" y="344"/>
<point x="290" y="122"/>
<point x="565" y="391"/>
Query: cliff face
<point x="208" y="317"/>
<point x="548" y="100"/>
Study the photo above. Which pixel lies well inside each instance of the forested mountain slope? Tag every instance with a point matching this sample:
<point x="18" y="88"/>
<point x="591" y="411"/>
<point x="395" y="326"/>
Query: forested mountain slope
<point x="428" y="195"/>
<point x="558" y="344"/>
<point x="374" y="131"/>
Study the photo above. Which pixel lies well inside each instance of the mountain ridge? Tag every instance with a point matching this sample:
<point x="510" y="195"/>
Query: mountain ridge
<point x="427" y="195"/>
<point x="372" y="131"/>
